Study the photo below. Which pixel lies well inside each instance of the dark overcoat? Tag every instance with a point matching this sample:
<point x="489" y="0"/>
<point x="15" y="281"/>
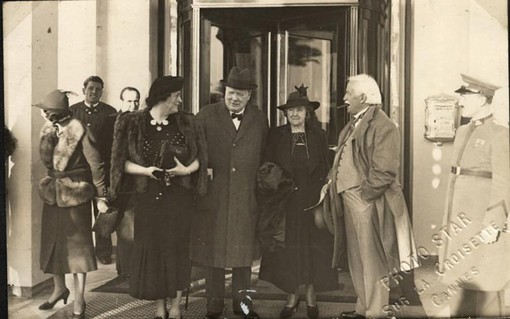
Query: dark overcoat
<point x="284" y="268"/>
<point x="75" y="175"/>
<point x="223" y="230"/>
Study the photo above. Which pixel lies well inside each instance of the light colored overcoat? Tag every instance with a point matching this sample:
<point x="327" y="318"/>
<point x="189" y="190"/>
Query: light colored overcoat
<point x="473" y="202"/>
<point x="223" y="229"/>
<point x="376" y="148"/>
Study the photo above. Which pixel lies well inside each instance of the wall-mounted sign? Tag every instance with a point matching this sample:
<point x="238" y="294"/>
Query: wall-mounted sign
<point x="441" y="118"/>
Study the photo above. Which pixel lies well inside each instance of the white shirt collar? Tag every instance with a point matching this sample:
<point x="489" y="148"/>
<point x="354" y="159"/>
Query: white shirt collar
<point x="242" y="112"/>
<point x="88" y="105"/>
<point x="361" y="112"/>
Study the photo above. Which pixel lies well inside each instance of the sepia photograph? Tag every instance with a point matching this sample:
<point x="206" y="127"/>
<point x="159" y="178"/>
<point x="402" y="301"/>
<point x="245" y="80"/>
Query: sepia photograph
<point x="255" y="159"/>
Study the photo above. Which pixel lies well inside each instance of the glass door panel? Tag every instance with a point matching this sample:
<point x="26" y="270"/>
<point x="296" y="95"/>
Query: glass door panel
<point x="228" y="42"/>
<point x="283" y="48"/>
<point x="315" y="57"/>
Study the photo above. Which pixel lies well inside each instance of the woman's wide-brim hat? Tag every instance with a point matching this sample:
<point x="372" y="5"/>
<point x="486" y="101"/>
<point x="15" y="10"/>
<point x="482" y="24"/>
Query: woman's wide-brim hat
<point x="55" y="101"/>
<point x="165" y="85"/>
<point x="299" y="98"/>
<point x="239" y="79"/>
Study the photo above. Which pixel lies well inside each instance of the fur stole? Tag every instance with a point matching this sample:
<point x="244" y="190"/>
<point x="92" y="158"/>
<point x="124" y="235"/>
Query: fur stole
<point x="57" y="145"/>
<point x="128" y="141"/>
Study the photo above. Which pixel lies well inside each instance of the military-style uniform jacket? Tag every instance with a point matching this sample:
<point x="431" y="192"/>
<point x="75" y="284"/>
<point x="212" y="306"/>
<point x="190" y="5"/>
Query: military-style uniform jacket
<point x="92" y="117"/>
<point x="478" y="195"/>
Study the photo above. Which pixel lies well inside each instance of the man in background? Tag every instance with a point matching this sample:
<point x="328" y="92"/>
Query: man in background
<point x="130" y="102"/>
<point x="93" y="114"/>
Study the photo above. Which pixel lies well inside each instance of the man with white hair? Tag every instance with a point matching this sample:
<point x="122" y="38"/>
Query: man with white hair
<point x="380" y="242"/>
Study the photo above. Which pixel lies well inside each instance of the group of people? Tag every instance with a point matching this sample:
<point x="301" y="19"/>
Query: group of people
<point x="188" y="187"/>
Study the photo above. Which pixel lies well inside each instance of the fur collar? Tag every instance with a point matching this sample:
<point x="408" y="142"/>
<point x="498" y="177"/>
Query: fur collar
<point x="59" y="143"/>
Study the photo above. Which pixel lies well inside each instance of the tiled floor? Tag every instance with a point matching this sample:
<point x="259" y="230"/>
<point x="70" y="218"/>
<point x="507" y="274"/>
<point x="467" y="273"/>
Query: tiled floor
<point x="113" y="305"/>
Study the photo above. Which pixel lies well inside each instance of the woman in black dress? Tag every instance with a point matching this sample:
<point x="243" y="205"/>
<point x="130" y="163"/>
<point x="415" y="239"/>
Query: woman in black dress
<point x="162" y="148"/>
<point x="300" y="148"/>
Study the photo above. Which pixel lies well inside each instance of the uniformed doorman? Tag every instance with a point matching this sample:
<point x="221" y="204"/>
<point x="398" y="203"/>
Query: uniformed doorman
<point x="223" y="232"/>
<point x="475" y="254"/>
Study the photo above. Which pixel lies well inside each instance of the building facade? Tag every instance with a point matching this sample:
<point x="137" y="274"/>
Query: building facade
<point x="414" y="49"/>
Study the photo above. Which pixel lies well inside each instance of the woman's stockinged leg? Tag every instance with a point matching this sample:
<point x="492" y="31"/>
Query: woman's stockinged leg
<point x="161" y="308"/>
<point x="175" y="309"/>
<point x="311" y="299"/>
<point x="79" y="292"/>
<point x="59" y="287"/>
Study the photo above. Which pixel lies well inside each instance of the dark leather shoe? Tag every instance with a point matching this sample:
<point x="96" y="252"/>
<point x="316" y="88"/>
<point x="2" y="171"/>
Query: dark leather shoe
<point x="214" y="315"/>
<point x="251" y="315"/>
<point x="49" y="305"/>
<point x="105" y="260"/>
<point x="312" y="311"/>
<point x="351" y="315"/>
<point x="165" y="317"/>
<point x="288" y="311"/>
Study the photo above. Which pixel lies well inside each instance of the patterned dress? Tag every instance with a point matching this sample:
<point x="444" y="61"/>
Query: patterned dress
<point x="160" y="259"/>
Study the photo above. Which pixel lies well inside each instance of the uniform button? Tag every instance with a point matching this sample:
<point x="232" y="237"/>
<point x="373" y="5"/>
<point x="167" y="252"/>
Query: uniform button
<point x="157" y="197"/>
<point x="88" y="124"/>
<point x="233" y="169"/>
<point x="296" y="188"/>
<point x="234" y="145"/>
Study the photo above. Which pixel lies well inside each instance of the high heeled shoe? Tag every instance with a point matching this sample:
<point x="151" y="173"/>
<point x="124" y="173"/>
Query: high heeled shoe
<point x="80" y="315"/>
<point x="312" y="311"/>
<point x="288" y="311"/>
<point x="49" y="305"/>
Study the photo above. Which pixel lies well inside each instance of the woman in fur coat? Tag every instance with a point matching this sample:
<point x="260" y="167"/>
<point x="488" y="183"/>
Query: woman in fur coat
<point x="75" y="176"/>
<point x="300" y="148"/>
<point x="161" y="148"/>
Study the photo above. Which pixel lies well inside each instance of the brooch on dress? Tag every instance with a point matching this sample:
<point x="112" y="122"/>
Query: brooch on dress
<point x="158" y="124"/>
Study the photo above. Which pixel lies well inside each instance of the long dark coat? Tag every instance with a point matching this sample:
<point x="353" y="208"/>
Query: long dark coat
<point x="223" y="230"/>
<point x="75" y="175"/>
<point x="284" y="268"/>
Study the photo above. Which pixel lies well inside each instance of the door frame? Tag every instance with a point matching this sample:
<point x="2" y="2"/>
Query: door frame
<point x="195" y="48"/>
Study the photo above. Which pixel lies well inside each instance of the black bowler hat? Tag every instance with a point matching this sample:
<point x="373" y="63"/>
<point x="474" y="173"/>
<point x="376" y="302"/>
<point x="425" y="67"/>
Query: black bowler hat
<point x="164" y="86"/>
<point x="55" y="101"/>
<point x="239" y="79"/>
<point x="476" y="86"/>
<point x="299" y="98"/>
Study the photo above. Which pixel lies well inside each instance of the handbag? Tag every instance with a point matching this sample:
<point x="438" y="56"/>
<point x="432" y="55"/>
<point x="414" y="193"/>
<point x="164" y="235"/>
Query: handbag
<point x="106" y="222"/>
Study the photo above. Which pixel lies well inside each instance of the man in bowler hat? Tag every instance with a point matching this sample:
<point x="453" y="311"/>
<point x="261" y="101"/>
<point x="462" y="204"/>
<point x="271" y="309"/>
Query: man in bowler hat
<point x="223" y="231"/>
<point x="93" y="113"/>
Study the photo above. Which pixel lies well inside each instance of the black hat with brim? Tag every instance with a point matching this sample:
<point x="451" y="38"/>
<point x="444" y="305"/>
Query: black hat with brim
<point x="299" y="98"/>
<point x="239" y="79"/>
<point x="302" y="102"/>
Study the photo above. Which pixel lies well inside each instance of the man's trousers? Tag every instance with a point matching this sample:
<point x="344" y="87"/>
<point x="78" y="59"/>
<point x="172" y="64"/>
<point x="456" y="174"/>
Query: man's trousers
<point x="367" y="260"/>
<point x="215" y="287"/>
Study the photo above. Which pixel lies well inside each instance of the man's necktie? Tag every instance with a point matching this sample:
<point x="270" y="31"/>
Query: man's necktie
<point x="238" y="116"/>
